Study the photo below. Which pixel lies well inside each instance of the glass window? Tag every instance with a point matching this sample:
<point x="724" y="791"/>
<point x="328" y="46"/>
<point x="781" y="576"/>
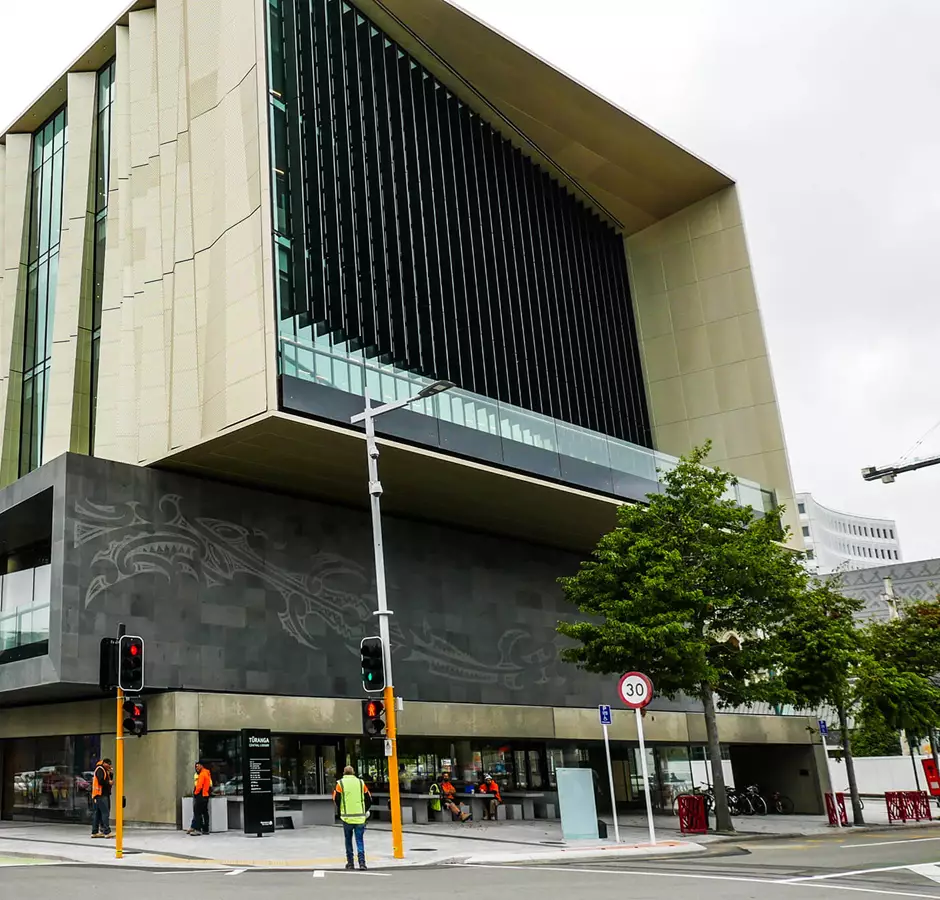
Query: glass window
<point x="49" y="148"/>
<point x="52" y="777"/>
<point x="103" y="170"/>
<point x="220" y="751"/>
<point x="810" y="554"/>
<point x="801" y="507"/>
<point x="805" y="531"/>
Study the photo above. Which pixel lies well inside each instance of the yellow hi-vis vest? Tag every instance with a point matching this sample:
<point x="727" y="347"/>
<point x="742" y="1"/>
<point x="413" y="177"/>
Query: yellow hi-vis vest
<point x="352" y="809"/>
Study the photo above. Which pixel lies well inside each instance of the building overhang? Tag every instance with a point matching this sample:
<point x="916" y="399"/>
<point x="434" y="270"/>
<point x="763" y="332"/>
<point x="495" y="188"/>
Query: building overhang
<point x="300" y="457"/>
<point x="617" y="164"/>
<point x="623" y="166"/>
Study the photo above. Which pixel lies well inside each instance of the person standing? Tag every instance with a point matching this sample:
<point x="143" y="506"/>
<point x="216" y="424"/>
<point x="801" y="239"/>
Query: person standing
<point x="202" y="787"/>
<point x="353" y="802"/>
<point x="101" y="799"/>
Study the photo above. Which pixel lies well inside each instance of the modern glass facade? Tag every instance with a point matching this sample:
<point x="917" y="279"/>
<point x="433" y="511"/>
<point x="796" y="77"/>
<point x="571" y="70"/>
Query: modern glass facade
<point x="102" y="186"/>
<point x="407" y="228"/>
<point x="45" y="229"/>
<point x="48" y="778"/>
<point x="309" y="764"/>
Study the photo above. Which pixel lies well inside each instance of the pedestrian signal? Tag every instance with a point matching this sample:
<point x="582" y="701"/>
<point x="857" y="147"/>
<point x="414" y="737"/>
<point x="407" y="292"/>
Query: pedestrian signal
<point x="373" y="718"/>
<point x="135" y="717"/>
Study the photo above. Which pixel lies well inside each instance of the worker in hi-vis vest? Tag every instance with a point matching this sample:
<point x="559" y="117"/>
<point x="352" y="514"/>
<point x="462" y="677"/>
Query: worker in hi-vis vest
<point x="353" y="802"/>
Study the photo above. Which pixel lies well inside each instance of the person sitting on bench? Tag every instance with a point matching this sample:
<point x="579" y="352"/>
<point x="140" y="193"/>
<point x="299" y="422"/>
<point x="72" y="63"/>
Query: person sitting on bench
<point x="490" y="787"/>
<point x="448" y="792"/>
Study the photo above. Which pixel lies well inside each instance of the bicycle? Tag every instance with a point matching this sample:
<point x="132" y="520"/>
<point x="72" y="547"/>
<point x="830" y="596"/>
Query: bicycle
<point x="780" y="803"/>
<point x="754" y="797"/>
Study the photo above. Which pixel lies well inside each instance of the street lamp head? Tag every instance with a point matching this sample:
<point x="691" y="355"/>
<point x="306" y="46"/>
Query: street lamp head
<point x="437" y="388"/>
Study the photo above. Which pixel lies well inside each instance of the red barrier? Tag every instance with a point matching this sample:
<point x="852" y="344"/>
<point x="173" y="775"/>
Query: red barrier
<point x="692" y="816"/>
<point x="831" y="809"/>
<point x="907" y="806"/>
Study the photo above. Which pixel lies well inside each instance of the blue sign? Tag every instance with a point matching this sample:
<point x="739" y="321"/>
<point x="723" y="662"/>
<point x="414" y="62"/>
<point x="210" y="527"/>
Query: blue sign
<point x="823" y="728"/>
<point x="604" y="713"/>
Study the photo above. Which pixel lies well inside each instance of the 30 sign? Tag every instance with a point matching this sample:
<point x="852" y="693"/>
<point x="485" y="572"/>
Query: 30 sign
<point x="635" y="689"/>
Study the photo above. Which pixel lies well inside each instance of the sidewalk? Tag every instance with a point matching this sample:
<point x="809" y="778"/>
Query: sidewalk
<point x="436" y="844"/>
<point x="321" y="847"/>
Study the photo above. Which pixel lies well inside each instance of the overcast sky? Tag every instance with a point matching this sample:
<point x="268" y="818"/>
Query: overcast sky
<point x="825" y="113"/>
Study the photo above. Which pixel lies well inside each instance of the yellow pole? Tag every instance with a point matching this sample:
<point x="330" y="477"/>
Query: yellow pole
<point x="398" y="847"/>
<point x="119" y="779"/>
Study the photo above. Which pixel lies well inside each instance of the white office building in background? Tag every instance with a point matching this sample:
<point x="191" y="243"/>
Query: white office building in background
<point x="838" y="540"/>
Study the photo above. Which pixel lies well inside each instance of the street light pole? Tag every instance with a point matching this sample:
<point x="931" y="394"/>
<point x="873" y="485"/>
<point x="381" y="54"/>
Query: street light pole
<point x="367" y="417"/>
<point x="383" y="612"/>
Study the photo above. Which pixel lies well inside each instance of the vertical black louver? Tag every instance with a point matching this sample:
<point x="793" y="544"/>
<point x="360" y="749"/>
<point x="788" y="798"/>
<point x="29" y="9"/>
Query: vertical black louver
<point x="411" y="229"/>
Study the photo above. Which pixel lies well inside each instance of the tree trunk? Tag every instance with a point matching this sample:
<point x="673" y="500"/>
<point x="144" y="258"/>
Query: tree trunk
<point x="857" y="816"/>
<point x="722" y="813"/>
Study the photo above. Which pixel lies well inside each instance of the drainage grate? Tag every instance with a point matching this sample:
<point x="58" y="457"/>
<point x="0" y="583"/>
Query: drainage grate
<point x="423" y="849"/>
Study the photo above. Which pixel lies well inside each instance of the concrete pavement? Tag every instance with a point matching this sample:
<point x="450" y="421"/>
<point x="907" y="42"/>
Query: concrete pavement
<point x="321" y="847"/>
<point x="899" y="863"/>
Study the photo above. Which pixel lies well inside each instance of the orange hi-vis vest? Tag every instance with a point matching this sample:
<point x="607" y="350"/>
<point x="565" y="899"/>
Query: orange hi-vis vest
<point x="95" y="783"/>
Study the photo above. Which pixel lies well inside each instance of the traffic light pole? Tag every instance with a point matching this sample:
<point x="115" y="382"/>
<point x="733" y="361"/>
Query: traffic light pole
<point x="119" y="779"/>
<point x="118" y="801"/>
<point x="383" y="612"/>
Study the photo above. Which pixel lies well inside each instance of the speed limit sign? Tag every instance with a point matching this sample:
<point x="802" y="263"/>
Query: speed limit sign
<point x="635" y="689"/>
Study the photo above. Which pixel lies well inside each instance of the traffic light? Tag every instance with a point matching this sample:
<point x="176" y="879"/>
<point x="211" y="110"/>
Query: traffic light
<point x="135" y="717"/>
<point x="373" y="718"/>
<point x="108" y="665"/>
<point x="131" y="663"/>
<point x="373" y="665"/>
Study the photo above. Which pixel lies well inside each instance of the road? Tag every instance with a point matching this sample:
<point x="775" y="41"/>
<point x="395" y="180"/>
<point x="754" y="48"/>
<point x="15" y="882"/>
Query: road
<point x="872" y="864"/>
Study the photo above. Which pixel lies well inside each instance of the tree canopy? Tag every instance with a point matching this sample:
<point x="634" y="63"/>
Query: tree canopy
<point x="691" y="589"/>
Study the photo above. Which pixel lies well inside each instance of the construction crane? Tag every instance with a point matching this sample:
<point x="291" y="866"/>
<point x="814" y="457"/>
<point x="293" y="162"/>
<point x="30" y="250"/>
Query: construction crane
<point x="888" y="473"/>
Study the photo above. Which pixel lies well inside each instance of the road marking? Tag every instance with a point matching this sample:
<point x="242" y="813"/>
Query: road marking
<point x="887" y="843"/>
<point x="928" y="870"/>
<point x="628" y="872"/>
<point x="783" y="883"/>
<point x="849" y="874"/>
<point x="864" y="890"/>
<point x="319" y="874"/>
<point x="236" y="871"/>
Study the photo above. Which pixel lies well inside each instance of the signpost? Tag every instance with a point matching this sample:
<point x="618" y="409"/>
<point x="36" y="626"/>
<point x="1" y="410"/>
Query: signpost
<point x="636" y="691"/>
<point x="257" y="781"/>
<point x="823" y="732"/>
<point x="604" y="715"/>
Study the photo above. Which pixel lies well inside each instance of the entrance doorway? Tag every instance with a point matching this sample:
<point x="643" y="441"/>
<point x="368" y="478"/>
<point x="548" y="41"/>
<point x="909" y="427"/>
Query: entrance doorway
<point x="318" y="771"/>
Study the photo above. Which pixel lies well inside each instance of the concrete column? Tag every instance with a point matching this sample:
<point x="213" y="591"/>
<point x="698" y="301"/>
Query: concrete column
<point x="158" y="772"/>
<point x="15" y="189"/>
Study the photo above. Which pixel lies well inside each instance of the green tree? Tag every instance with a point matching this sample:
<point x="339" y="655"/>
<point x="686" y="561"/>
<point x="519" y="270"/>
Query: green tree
<point x="691" y="590"/>
<point x="873" y="737"/>
<point x="823" y="650"/>
<point x="898" y="684"/>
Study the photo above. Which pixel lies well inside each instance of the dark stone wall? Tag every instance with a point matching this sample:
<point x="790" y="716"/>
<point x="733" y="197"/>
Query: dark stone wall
<point x="240" y="590"/>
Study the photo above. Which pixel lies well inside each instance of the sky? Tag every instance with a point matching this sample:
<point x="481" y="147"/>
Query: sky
<point x="825" y="113"/>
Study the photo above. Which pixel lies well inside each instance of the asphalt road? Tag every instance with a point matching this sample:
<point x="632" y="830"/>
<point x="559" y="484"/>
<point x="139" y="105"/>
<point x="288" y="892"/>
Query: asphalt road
<point x="898" y="864"/>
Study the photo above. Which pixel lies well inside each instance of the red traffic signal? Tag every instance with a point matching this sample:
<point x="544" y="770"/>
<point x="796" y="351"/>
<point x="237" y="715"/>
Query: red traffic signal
<point x="135" y="717"/>
<point x="373" y="718"/>
<point x="131" y="663"/>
